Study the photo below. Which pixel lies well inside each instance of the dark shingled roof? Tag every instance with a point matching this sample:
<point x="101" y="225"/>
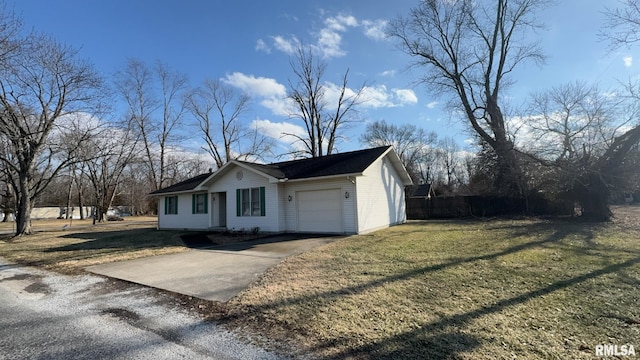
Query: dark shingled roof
<point x="421" y="190"/>
<point x="188" y="184"/>
<point x="353" y="162"/>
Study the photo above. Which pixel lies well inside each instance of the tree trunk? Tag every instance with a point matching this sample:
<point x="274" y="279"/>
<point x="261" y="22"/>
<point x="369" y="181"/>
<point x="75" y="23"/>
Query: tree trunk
<point x="509" y="176"/>
<point x="80" y="202"/>
<point x="593" y="197"/>
<point x="67" y="210"/>
<point x="23" y="216"/>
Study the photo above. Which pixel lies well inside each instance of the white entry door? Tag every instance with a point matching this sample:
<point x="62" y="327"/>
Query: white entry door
<point x="320" y="211"/>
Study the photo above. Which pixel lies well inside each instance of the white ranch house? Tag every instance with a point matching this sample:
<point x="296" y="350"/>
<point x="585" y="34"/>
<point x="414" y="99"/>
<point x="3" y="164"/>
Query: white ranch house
<point x="347" y="193"/>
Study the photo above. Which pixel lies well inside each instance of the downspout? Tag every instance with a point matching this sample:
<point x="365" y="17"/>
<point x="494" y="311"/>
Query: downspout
<point x="355" y="203"/>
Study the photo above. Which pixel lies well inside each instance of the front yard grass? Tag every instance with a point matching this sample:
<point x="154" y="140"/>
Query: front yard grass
<point x="471" y="289"/>
<point x="69" y="250"/>
<point x="455" y="289"/>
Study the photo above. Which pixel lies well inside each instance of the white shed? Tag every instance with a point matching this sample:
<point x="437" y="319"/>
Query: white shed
<point x="346" y="193"/>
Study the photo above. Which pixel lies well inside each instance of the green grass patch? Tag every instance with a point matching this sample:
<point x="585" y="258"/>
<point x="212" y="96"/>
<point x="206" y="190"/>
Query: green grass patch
<point x="456" y="289"/>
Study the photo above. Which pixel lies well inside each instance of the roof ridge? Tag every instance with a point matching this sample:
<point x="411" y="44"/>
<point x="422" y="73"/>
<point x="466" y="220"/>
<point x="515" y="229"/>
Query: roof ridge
<point x="353" y="152"/>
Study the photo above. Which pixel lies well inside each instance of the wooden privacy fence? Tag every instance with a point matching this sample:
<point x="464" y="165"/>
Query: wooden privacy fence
<point x="483" y="206"/>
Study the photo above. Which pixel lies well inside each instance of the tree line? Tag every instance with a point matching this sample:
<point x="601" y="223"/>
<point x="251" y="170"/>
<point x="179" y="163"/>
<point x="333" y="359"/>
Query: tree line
<point x="63" y="141"/>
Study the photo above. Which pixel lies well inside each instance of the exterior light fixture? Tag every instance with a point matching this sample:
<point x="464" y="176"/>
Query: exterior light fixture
<point x="289" y="198"/>
<point x="346" y="194"/>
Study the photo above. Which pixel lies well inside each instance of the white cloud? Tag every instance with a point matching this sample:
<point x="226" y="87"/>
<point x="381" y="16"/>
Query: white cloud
<point x="276" y="130"/>
<point x="329" y="43"/>
<point x="405" y="96"/>
<point x="375" y="29"/>
<point x="340" y="22"/>
<point x="287" y="46"/>
<point x="372" y="96"/>
<point x="268" y="92"/>
<point x="278" y="105"/>
<point x="380" y="97"/>
<point x="432" y="104"/>
<point x="285" y="133"/>
<point x="262" y="46"/>
<point x="256" y="86"/>
<point x="389" y="73"/>
<point x="329" y="38"/>
<point x="628" y="61"/>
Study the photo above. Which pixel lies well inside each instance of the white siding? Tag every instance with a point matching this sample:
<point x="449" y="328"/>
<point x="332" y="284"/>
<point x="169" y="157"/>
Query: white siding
<point x="348" y="204"/>
<point x="229" y="183"/>
<point x="380" y="197"/>
<point x="184" y="219"/>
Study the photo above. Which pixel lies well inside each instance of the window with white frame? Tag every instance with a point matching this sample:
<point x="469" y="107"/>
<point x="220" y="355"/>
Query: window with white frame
<point x="250" y="202"/>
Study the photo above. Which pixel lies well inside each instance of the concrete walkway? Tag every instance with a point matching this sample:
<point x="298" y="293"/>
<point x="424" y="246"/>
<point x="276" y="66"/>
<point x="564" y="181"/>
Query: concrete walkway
<point x="217" y="273"/>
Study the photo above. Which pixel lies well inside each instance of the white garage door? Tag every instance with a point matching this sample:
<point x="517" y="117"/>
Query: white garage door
<point x="320" y="211"/>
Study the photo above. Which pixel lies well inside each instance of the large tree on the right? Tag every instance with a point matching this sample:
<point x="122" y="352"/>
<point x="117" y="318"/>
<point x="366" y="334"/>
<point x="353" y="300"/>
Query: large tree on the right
<point x="584" y="140"/>
<point x="467" y="50"/>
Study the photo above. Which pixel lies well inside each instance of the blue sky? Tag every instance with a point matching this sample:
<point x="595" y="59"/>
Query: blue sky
<point x="245" y="43"/>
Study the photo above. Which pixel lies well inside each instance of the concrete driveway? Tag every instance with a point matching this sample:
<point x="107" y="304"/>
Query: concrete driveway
<point x="216" y="273"/>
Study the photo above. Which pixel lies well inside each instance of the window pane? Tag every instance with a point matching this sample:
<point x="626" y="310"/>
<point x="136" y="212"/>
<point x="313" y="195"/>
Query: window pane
<point x="255" y="202"/>
<point x="172" y="205"/>
<point x="200" y="198"/>
<point x="246" y="203"/>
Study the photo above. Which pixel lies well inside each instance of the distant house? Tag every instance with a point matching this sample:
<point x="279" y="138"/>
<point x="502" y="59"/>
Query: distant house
<point x="422" y="191"/>
<point x="347" y="193"/>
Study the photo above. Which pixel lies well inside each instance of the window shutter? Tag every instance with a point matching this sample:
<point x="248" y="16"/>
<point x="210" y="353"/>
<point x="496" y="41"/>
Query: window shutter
<point x="206" y="203"/>
<point x="176" y="205"/>
<point x="262" y="197"/>
<point x="166" y="205"/>
<point x="238" y="203"/>
<point x="193" y="203"/>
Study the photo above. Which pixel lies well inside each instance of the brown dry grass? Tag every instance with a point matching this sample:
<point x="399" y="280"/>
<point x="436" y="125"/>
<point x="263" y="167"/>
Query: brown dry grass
<point x="83" y="244"/>
<point x="456" y="289"/>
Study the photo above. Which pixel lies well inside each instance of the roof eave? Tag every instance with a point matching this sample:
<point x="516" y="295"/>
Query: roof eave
<point x="174" y="192"/>
<point x="326" y="177"/>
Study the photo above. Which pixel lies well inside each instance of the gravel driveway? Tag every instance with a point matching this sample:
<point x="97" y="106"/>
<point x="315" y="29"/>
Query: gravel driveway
<point x="45" y="315"/>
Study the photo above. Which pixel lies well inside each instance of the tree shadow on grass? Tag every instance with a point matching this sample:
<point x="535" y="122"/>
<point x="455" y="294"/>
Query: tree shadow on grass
<point x="426" y="331"/>
<point x="119" y="239"/>
<point x="433" y="335"/>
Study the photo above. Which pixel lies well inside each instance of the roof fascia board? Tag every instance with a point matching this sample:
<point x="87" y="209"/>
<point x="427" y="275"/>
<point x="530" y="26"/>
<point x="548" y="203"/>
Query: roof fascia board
<point x="323" y="177"/>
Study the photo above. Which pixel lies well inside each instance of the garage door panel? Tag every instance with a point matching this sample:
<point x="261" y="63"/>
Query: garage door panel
<point x="320" y="211"/>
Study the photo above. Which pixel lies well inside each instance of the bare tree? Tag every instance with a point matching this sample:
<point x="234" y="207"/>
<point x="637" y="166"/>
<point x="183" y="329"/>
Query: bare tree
<point x="323" y="121"/>
<point x="581" y="141"/>
<point x="468" y="49"/>
<point x="105" y="156"/>
<point x="449" y="163"/>
<point x="218" y="110"/>
<point x="10" y="27"/>
<point x="622" y="23"/>
<point x="154" y="97"/>
<point x="41" y="84"/>
<point x="573" y="119"/>
<point x="415" y="146"/>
